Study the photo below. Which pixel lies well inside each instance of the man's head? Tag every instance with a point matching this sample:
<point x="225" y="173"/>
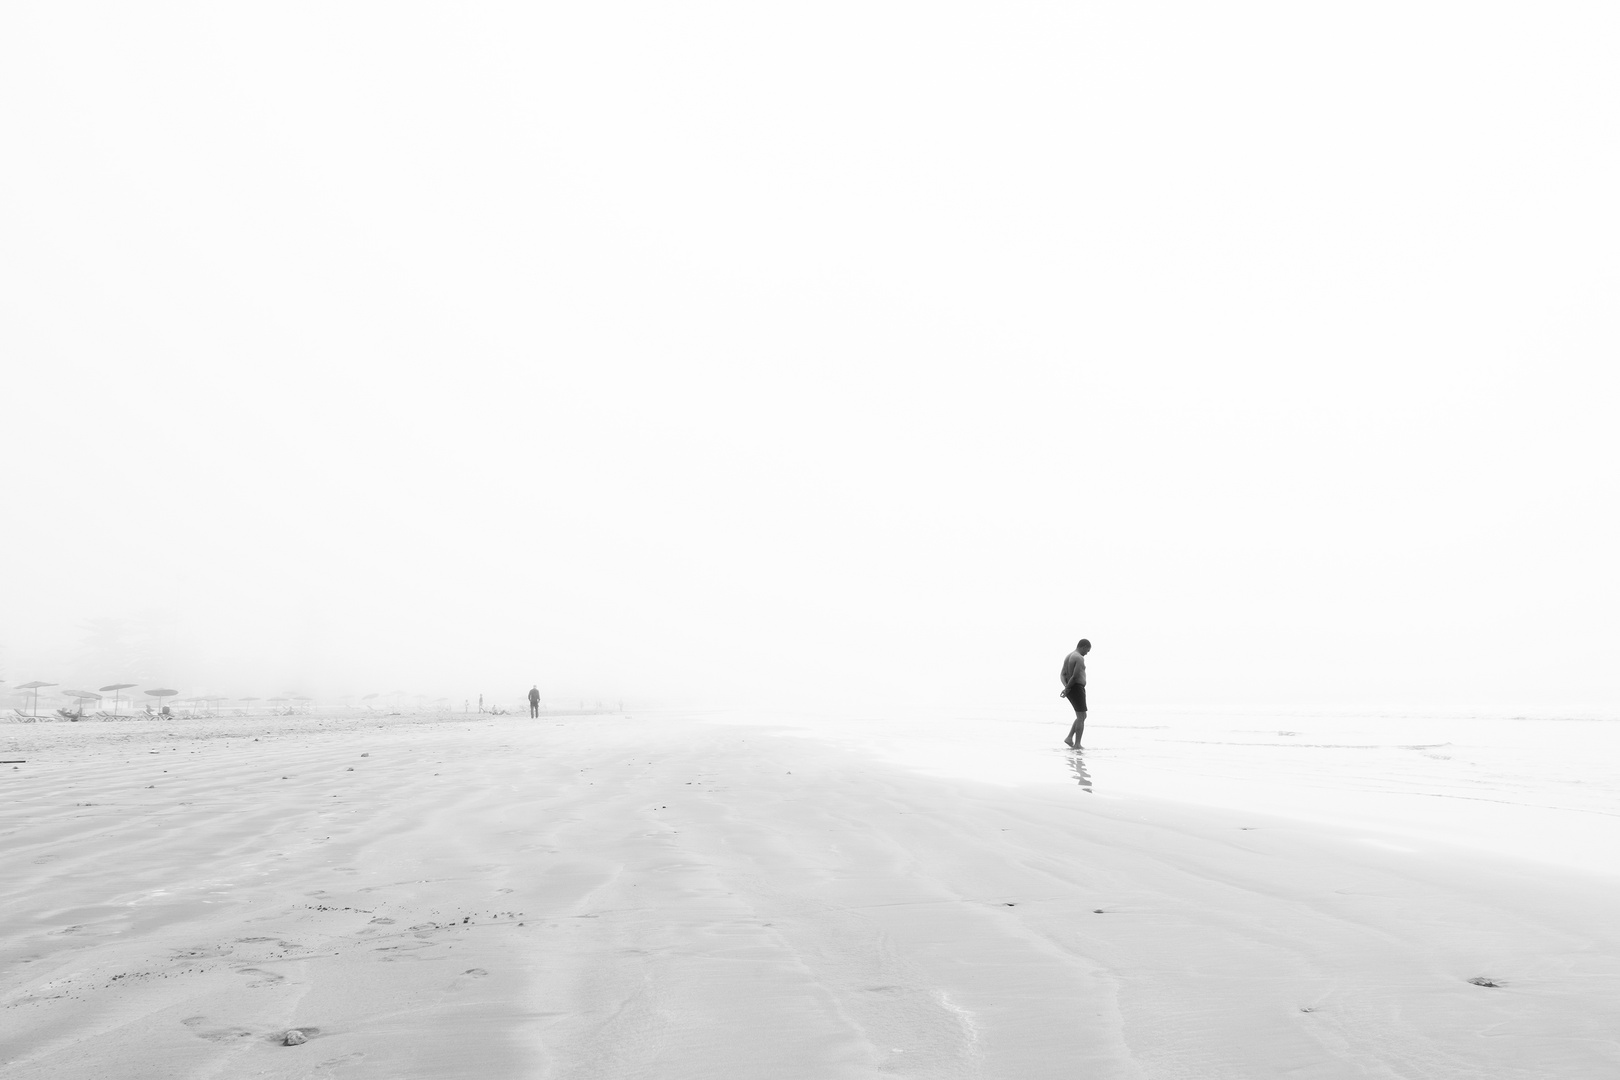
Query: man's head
<point x="1084" y="647"/>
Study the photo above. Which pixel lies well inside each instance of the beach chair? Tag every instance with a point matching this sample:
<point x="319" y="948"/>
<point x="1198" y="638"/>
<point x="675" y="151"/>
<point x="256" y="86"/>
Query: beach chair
<point x="23" y="717"/>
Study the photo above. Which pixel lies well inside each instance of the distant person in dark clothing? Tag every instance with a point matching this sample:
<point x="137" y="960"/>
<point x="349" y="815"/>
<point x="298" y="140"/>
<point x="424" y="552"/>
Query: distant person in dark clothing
<point x="534" y="701"/>
<point x="1074" y="688"/>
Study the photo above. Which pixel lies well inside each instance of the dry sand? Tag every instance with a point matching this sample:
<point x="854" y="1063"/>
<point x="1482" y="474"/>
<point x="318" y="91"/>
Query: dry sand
<point x="667" y="898"/>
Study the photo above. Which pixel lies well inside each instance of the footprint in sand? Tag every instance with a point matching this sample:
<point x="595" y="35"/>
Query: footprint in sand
<point x="260" y="977"/>
<point x="252" y="940"/>
<point x="332" y="1065"/>
<point x="405" y="951"/>
<point x="215" y="1034"/>
<point x="383" y="922"/>
<point x="197" y="951"/>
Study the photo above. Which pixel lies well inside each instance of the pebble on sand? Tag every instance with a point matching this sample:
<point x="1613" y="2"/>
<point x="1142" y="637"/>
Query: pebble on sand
<point x="294" y="1037"/>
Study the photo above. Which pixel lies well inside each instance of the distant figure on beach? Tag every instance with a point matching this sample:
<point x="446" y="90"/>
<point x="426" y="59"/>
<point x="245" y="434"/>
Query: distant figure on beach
<point x="1074" y="688"/>
<point x="534" y="701"/>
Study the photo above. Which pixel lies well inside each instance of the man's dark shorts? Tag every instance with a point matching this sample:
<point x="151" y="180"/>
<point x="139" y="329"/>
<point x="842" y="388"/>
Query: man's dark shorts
<point x="1076" y="693"/>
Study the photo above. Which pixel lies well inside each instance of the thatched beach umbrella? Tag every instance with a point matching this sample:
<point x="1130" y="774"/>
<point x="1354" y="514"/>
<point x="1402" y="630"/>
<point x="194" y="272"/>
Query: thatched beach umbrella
<point x="35" y="687"/>
<point x="368" y="697"/>
<point x="249" y="704"/>
<point x="115" y="688"/>
<point x="160" y="693"/>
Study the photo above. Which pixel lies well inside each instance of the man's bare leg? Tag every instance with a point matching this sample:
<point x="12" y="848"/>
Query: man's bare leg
<point x="1076" y="731"/>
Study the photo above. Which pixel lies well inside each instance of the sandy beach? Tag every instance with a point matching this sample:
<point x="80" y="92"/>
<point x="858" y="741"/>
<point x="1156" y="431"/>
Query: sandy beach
<point x="665" y="896"/>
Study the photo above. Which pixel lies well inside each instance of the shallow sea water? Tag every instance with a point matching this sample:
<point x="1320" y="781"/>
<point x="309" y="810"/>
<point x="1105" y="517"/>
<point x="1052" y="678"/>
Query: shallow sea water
<point x="1539" y="788"/>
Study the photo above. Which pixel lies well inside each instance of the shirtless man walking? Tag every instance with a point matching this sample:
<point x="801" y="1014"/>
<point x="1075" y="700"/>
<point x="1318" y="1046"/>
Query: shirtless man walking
<point x="1074" y="688"/>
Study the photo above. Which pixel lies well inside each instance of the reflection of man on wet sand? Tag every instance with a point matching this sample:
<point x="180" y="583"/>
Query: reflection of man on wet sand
<point x="1074" y="688"/>
<point x="534" y="701"/>
<point x="1077" y="762"/>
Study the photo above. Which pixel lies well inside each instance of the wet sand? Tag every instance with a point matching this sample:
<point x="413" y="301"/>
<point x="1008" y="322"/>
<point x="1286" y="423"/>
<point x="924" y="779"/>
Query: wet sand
<point x="601" y="897"/>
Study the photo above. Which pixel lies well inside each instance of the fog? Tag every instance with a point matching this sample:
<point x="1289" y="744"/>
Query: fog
<point x="836" y="353"/>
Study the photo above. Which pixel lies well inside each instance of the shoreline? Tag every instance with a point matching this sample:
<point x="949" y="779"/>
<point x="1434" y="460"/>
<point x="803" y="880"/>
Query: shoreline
<point x="1502" y="787"/>
<point x="609" y="897"/>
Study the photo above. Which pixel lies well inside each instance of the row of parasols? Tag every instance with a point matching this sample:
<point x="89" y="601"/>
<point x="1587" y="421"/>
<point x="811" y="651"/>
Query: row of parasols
<point x="85" y="697"/>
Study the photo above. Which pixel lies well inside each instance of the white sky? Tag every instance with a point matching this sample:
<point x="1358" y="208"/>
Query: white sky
<point x="856" y="351"/>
